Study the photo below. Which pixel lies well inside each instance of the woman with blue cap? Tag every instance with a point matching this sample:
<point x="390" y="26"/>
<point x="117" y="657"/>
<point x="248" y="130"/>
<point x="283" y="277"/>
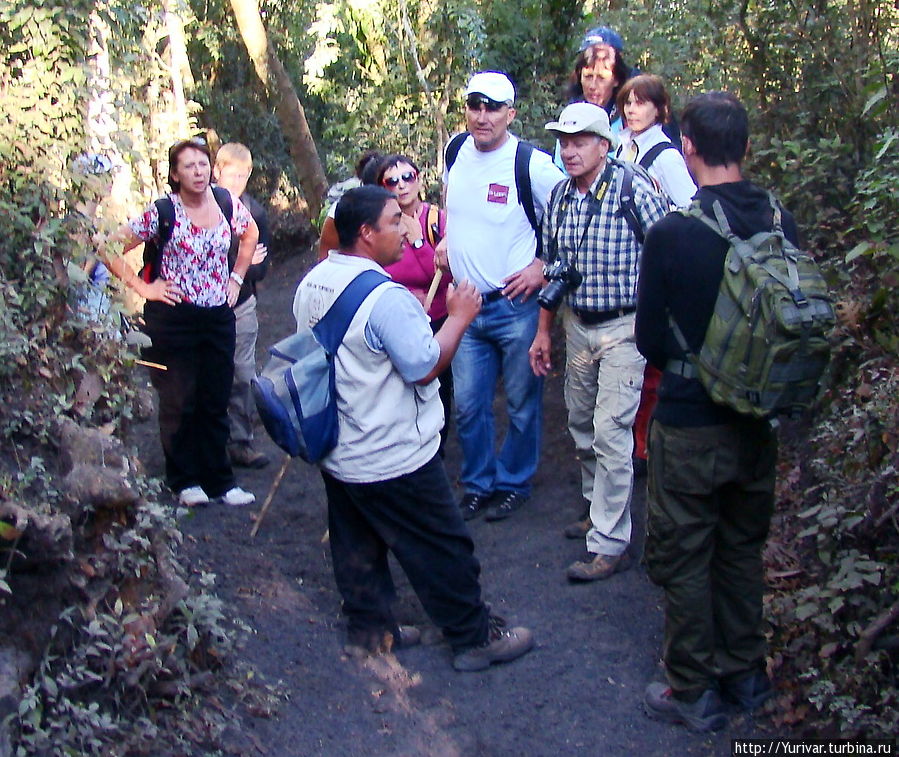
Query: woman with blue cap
<point x="599" y="72"/>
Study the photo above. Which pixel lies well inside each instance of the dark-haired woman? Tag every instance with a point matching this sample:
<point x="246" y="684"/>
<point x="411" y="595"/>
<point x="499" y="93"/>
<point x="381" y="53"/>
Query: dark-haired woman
<point x="365" y="173"/>
<point x="425" y="225"/>
<point x="189" y="317"/>
<point x="646" y="106"/>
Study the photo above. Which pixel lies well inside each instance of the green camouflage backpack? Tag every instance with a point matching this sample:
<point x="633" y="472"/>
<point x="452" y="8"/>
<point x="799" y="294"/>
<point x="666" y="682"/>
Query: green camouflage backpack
<point x="766" y="346"/>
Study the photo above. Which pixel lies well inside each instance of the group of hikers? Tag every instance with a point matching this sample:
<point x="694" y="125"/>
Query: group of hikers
<point x="469" y="297"/>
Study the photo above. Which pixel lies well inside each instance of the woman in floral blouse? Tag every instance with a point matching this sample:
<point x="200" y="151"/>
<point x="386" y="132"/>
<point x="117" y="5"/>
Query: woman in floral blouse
<point x="190" y="321"/>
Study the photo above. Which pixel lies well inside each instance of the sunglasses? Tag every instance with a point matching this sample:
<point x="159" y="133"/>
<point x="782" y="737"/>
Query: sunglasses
<point x="407" y="177"/>
<point x="474" y="102"/>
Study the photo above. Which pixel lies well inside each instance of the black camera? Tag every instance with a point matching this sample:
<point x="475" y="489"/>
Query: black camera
<point x="563" y="278"/>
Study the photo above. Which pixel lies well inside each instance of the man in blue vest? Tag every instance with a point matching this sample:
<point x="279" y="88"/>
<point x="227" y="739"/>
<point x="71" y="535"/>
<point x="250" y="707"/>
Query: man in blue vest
<point x="385" y="481"/>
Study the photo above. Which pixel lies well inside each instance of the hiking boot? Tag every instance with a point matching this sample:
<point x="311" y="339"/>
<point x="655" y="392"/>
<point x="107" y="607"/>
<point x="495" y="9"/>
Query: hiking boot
<point x="502" y="645"/>
<point x="748" y="691"/>
<point x="473" y="504"/>
<point x="193" y="496"/>
<point x="237" y="497"/>
<point x="705" y="714"/>
<point x="599" y="568"/>
<point x="244" y="456"/>
<point x="578" y="529"/>
<point x="504" y="504"/>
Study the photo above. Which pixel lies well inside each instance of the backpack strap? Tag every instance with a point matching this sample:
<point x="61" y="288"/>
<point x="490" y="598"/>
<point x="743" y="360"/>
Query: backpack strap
<point x="647" y="160"/>
<point x="453" y="147"/>
<point x="627" y="206"/>
<point x="523" y="188"/>
<point x="432" y="225"/>
<point x="331" y="329"/>
<point x="153" y="248"/>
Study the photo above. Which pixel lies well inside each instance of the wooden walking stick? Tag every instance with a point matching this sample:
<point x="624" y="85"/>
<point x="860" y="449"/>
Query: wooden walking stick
<point x="432" y="291"/>
<point x="271" y="493"/>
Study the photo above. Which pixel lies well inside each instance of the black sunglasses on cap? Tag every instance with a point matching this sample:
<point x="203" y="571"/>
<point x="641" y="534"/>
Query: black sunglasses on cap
<point x="474" y="101"/>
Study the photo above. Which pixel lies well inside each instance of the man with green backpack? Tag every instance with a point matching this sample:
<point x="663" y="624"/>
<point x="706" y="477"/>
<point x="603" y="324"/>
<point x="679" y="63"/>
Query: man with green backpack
<point x="737" y="318"/>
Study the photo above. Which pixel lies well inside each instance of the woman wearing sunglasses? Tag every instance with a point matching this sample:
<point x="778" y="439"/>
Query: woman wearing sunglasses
<point x="425" y="226"/>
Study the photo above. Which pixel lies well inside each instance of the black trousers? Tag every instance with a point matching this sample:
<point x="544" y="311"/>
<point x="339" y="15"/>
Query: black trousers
<point x="711" y="496"/>
<point x="197" y="346"/>
<point x="415" y="517"/>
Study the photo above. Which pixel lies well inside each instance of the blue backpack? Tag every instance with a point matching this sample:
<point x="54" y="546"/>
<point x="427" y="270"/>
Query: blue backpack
<point x="296" y="393"/>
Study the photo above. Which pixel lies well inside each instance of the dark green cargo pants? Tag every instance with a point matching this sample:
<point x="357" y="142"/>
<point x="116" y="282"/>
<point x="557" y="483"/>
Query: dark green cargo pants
<point x="711" y="496"/>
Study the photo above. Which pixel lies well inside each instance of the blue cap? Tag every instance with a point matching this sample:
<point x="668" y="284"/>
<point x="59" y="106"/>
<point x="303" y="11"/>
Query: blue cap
<point x="602" y="35"/>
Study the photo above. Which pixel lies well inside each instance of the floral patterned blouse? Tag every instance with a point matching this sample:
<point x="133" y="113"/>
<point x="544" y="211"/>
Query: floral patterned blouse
<point x="195" y="258"/>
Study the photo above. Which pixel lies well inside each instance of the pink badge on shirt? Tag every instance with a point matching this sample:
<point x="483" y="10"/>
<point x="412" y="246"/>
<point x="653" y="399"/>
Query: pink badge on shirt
<point x="498" y="193"/>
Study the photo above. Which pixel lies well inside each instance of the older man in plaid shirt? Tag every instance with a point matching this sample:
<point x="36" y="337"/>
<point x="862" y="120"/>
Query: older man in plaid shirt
<point x="584" y="229"/>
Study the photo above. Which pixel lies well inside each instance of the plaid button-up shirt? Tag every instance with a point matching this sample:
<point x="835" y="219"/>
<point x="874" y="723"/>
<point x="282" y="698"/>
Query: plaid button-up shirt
<point x="594" y="237"/>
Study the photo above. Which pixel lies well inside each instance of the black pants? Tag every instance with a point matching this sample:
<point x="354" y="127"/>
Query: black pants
<point x="711" y="496"/>
<point x="416" y="518"/>
<point x="197" y="346"/>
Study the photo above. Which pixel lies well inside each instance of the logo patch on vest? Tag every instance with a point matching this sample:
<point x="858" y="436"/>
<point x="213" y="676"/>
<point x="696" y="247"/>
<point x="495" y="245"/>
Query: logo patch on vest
<point x="498" y="193"/>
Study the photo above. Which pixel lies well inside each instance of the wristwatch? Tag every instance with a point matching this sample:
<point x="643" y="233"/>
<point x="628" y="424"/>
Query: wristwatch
<point x="418" y="244"/>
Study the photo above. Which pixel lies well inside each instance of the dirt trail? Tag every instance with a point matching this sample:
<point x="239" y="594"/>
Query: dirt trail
<point x="578" y="693"/>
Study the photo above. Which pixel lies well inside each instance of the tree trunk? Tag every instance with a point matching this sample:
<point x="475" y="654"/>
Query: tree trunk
<point x="288" y="107"/>
<point x="179" y="66"/>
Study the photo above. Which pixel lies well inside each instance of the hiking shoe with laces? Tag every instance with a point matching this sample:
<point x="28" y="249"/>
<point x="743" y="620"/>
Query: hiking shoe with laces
<point x="705" y="714"/>
<point x="472" y="504"/>
<point x="237" y="497"/>
<point x="502" y="645"/>
<point x="244" y="456"/>
<point x="504" y="504"/>
<point x="193" y="496"/>
<point x="748" y="691"/>
<point x="598" y="568"/>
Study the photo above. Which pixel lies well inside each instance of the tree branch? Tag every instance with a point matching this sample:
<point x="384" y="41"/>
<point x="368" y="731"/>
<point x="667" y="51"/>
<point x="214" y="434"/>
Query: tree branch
<point x="879" y="624"/>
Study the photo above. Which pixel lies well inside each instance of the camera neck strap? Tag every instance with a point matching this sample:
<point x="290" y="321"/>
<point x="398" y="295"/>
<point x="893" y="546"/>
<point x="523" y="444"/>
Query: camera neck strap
<point x="595" y="203"/>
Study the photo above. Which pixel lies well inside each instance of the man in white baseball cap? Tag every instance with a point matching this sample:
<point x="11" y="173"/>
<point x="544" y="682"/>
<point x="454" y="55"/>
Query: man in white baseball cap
<point x="493" y="86"/>
<point x="496" y="190"/>
<point x="593" y="252"/>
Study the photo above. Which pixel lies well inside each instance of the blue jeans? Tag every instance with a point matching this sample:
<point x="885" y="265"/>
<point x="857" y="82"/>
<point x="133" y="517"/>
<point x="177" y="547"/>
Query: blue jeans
<point x="497" y="343"/>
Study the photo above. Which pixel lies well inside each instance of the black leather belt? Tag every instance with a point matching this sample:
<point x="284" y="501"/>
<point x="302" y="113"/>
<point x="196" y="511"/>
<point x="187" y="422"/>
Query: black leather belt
<point x="595" y="317"/>
<point x="492" y="296"/>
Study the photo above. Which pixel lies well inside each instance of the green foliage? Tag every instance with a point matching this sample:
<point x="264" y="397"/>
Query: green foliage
<point x="847" y="544"/>
<point x="108" y="667"/>
<point x="108" y="676"/>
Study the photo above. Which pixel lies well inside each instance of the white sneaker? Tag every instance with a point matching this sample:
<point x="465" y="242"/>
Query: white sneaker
<point x="237" y="497"/>
<point x="193" y="496"/>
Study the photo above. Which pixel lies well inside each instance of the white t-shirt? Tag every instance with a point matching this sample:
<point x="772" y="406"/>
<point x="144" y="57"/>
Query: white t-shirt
<point x="487" y="232"/>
